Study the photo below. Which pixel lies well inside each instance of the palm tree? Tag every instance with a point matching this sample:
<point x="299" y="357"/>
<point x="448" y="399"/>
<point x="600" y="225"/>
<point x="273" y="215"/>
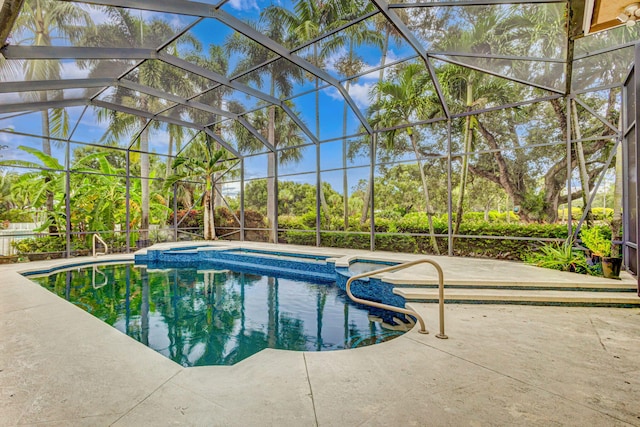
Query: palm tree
<point x="468" y="89"/>
<point x="218" y="62"/>
<point x="42" y="23"/>
<point x="382" y="24"/>
<point x="309" y="20"/>
<point x="351" y="64"/>
<point x="281" y="75"/>
<point x="47" y="180"/>
<point x="201" y="166"/>
<point x="402" y="102"/>
<point x="126" y="29"/>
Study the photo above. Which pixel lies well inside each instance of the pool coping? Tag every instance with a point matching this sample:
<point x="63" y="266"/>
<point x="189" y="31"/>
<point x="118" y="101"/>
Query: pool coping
<point x="40" y="374"/>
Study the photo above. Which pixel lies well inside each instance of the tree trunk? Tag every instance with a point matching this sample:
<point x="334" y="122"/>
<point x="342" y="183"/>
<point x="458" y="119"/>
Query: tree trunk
<point x="209" y="219"/>
<point x="168" y="171"/>
<point x="271" y="180"/>
<point x="144" y="184"/>
<point x="434" y="242"/>
<point x="383" y="61"/>
<point x="217" y="194"/>
<point x="323" y="201"/>
<point x="46" y="149"/>
<point x="582" y="166"/>
<point x="502" y="178"/>
<point x="345" y="182"/>
<point x="468" y="137"/>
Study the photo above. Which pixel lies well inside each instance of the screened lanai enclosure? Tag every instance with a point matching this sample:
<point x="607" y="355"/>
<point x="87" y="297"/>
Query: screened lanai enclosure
<point x="470" y="127"/>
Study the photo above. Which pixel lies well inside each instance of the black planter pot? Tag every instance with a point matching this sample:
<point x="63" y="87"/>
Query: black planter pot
<point x="611" y="267"/>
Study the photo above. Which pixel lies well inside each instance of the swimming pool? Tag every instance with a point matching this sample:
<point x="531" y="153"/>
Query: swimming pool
<point x="211" y="315"/>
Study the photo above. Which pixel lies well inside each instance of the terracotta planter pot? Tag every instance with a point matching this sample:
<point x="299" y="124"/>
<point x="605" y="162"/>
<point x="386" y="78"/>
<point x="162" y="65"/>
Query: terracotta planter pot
<point x="611" y="267"/>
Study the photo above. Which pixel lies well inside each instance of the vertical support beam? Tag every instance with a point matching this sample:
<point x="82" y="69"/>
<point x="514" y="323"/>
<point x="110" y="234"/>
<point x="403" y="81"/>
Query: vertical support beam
<point x="67" y="198"/>
<point x="242" y="199"/>
<point x="625" y="185"/>
<point x="450" y="189"/>
<point x="276" y="184"/>
<point x="318" y="196"/>
<point x="128" y="201"/>
<point x="569" y="169"/>
<point x="636" y="97"/>
<point x="372" y="176"/>
<point x="175" y="212"/>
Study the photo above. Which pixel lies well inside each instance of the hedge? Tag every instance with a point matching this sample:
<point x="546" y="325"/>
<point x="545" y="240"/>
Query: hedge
<point x="499" y="248"/>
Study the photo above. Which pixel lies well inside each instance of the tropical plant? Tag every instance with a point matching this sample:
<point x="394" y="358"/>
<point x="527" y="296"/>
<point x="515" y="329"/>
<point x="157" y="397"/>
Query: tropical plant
<point x="125" y="29"/>
<point x="309" y="20"/>
<point x="280" y="76"/>
<point x="45" y="23"/>
<point x="557" y="256"/>
<point x="201" y="166"/>
<point x="402" y="102"/>
<point x="595" y="240"/>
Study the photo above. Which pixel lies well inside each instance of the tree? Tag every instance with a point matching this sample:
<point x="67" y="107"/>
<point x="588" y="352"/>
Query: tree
<point x="280" y="74"/>
<point x="201" y="166"/>
<point x="310" y="20"/>
<point x="125" y="29"/>
<point x="391" y="33"/>
<point x="402" y="102"/>
<point x="349" y="65"/>
<point x="43" y="23"/>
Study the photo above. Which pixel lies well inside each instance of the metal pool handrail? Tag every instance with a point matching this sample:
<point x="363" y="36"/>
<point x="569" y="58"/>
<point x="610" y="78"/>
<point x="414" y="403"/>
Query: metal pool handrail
<point x="423" y="329"/>
<point x="96" y="237"/>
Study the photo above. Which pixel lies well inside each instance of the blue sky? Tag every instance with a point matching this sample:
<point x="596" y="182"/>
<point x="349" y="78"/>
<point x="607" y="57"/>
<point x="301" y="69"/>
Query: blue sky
<point x="91" y="130"/>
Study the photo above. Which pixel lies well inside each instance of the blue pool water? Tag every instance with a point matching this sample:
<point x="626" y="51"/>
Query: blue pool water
<point x="210" y="315"/>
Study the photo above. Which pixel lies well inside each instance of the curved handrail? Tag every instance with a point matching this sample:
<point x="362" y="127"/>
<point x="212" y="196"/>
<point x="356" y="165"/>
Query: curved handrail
<point x="95" y="238"/>
<point x="423" y="329"/>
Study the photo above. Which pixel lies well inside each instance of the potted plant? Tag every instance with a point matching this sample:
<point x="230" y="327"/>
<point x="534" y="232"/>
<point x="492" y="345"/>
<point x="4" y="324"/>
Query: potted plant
<point x="600" y="246"/>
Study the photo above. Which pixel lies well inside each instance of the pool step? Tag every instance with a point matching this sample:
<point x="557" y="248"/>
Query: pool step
<point x="515" y="296"/>
<point x="608" y="286"/>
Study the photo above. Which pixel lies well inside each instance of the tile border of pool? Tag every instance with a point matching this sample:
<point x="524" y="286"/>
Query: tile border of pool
<point x="55" y="376"/>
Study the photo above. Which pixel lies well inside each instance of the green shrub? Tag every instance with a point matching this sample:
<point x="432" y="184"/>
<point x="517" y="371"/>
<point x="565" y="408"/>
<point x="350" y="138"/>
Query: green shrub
<point x="193" y="218"/>
<point x="16" y="215"/>
<point x="597" y="239"/>
<point x="412" y="237"/>
<point x="396" y="243"/>
<point x="418" y="222"/>
<point x="576" y="213"/>
<point x="40" y="245"/>
<point x="602" y="214"/>
<point x="559" y="257"/>
<point x="287" y="222"/>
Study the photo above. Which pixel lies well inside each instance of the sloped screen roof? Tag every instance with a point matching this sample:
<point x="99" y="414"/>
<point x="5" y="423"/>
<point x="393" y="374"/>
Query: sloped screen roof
<point x="197" y="65"/>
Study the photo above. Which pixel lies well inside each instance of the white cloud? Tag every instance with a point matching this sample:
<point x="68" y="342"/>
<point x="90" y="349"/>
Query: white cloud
<point x="70" y="70"/>
<point x="330" y="62"/>
<point x="4" y="137"/>
<point x="99" y="15"/>
<point x="10" y="98"/>
<point x="359" y="92"/>
<point x="243" y="4"/>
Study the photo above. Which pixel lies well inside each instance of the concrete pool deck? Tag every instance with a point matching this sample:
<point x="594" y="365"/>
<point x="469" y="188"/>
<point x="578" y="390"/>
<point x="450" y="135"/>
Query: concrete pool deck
<point x="502" y="365"/>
